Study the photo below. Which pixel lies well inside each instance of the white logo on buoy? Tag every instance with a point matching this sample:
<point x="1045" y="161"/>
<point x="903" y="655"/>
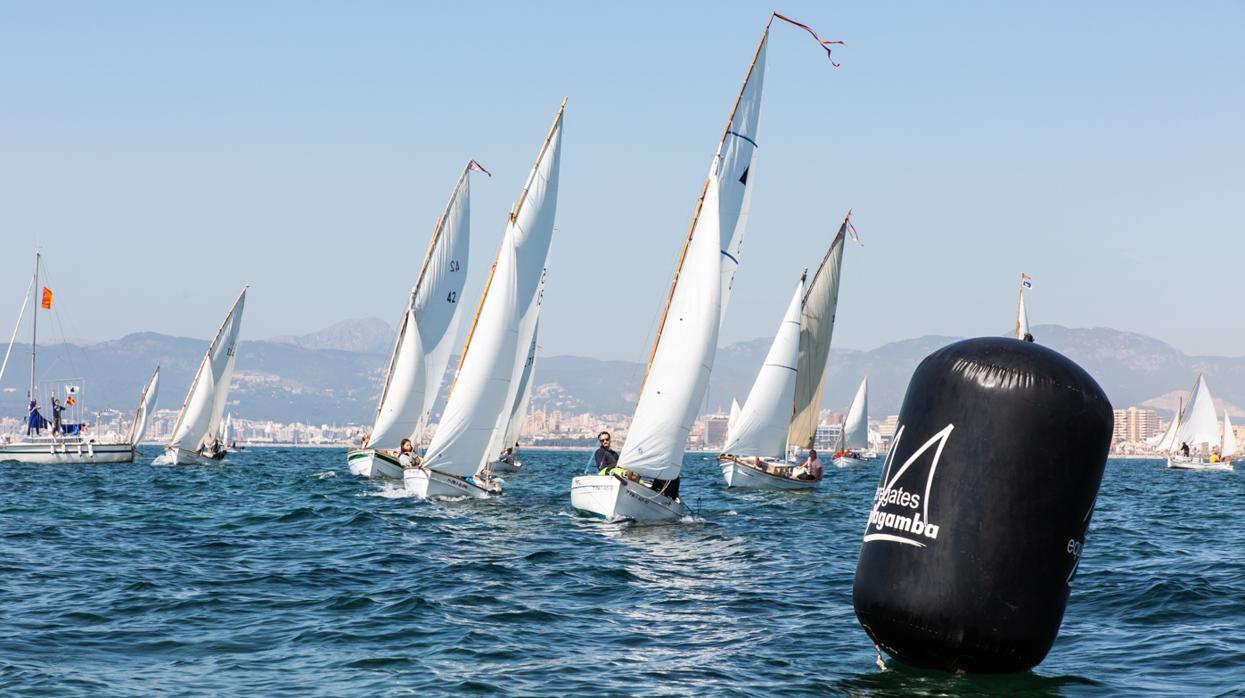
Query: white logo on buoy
<point x="907" y="527"/>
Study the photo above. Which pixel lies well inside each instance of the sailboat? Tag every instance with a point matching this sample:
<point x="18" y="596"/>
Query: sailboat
<point x="782" y="408"/>
<point x="1022" y="317"/>
<point x="69" y="444"/>
<point x="508" y="460"/>
<point x="491" y="366"/>
<point x="678" y="369"/>
<point x="1197" y="443"/>
<point x="196" y="433"/>
<point x="426" y="335"/>
<point x="853" y="444"/>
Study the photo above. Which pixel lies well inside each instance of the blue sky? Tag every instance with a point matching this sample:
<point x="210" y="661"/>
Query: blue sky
<point x="162" y="154"/>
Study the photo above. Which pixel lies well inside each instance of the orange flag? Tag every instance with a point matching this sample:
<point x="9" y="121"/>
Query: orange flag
<point x="47" y="298"/>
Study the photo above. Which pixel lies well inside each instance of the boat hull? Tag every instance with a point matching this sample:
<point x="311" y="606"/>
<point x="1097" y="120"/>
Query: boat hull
<point x="425" y="483"/>
<point x="614" y="499"/>
<point x="745" y="476"/>
<point x="848" y="461"/>
<point x="1178" y="463"/>
<point x="180" y="456"/>
<point x="370" y="463"/>
<point x="62" y="452"/>
<point x="498" y="466"/>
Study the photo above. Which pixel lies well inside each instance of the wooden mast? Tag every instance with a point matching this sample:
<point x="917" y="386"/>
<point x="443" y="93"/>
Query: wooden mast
<point x="700" y="202"/>
<point x="513" y="216"/>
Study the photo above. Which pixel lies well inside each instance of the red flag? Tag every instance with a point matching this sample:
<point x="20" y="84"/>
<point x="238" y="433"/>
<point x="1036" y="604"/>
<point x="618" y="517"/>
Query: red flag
<point x="474" y="166"/>
<point x="47" y="298"/>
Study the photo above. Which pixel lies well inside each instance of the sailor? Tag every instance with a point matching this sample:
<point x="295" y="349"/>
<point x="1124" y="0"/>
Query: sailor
<point x="57" y="408"/>
<point x="406" y="454"/>
<point x="507" y="456"/>
<point x="34" y="420"/>
<point x="810" y="469"/>
<point x="1184" y="449"/>
<point x="605" y="458"/>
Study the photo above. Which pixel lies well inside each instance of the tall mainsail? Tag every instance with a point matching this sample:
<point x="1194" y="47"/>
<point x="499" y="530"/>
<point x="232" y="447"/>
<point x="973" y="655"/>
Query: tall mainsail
<point x="855" y="426"/>
<point x="429" y="327"/>
<point x="1167" y="441"/>
<point x="484" y="391"/>
<point x="682" y="356"/>
<point x="201" y="413"/>
<point x="146" y="405"/>
<point x="761" y="426"/>
<point x="816" y="330"/>
<point x="514" y="424"/>
<point x="1198" y="425"/>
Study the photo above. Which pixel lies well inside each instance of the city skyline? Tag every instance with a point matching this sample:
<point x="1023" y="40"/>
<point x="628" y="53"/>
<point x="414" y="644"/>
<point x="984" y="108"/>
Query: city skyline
<point x="327" y="138"/>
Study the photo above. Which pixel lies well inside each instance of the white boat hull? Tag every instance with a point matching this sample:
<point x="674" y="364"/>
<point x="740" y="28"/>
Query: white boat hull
<point x="1183" y="463"/>
<point x="370" y="463"/>
<point x="425" y="483"/>
<point x="66" y="452"/>
<point x="848" y="461"/>
<point x="180" y="456"/>
<point x="498" y="466"/>
<point x="744" y="476"/>
<point x="614" y="499"/>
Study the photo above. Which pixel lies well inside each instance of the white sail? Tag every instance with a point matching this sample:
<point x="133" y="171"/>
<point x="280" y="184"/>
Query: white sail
<point x="760" y="429"/>
<point x="201" y="412"/>
<point x="855" y="427"/>
<point x="816" y="330"/>
<point x="1022" y="318"/>
<point x="146" y="405"/>
<point x="514" y="425"/>
<point x="401" y="398"/>
<point x="1199" y="425"/>
<point x="679" y="372"/>
<point x="733" y="168"/>
<point x="1230" y="447"/>
<point x="488" y="372"/>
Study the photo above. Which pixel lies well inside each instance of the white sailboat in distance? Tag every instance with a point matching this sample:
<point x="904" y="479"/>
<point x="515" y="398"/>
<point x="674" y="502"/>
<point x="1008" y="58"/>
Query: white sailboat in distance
<point x="490" y="368"/>
<point x="196" y="436"/>
<point x="426" y="335"/>
<point x="67" y="441"/>
<point x="853" y="444"/>
<point x="508" y="459"/>
<point x="782" y="408"/>
<point x="1197" y="442"/>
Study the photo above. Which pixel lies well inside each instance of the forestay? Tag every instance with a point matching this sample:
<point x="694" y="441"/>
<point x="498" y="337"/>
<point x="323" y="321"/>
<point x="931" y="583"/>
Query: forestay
<point x="855" y="427"/>
<point x="816" y="330"/>
<point x="760" y="428"/>
<point x="200" y="414"/>
<point x="484" y="391"/>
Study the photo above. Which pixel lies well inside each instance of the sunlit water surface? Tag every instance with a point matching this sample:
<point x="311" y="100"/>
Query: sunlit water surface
<point x="280" y="574"/>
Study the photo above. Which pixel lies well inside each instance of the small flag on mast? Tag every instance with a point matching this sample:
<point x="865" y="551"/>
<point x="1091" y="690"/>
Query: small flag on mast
<point x="1026" y="281"/>
<point x="47" y="298"/>
<point x="474" y="166"/>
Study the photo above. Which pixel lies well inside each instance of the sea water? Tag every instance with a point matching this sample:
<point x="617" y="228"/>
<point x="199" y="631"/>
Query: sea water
<point x="281" y="574"/>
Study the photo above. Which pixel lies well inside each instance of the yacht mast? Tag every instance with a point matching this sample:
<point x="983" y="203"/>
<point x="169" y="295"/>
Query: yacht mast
<point x="34" y="331"/>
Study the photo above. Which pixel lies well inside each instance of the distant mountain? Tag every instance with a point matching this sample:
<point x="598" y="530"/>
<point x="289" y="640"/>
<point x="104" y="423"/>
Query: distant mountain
<point x="366" y="336"/>
<point x="319" y="378"/>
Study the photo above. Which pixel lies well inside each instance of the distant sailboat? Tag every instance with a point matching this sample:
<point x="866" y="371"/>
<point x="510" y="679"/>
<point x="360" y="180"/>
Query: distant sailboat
<point x="1022" y="317"/>
<point x="196" y="434"/>
<point x="782" y="408"/>
<point x="66" y="442"/>
<point x="494" y="357"/>
<point x="426" y="335"/>
<point x="1198" y="443"/>
<point x="853" y="445"/>
<point x="508" y="461"/>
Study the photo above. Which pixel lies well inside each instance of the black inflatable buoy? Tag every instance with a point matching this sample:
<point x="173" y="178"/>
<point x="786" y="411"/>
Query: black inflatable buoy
<point x="979" y="517"/>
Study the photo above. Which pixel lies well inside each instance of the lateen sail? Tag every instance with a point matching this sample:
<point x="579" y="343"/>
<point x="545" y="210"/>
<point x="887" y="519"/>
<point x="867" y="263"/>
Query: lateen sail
<point x="816" y="331"/>
<point x="1167" y="441"/>
<point x="146" y="405"/>
<point x="678" y="371"/>
<point x="1199" y="425"/>
<point x="515" y="423"/>
<point x="209" y="391"/>
<point x="761" y="426"/>
<point x="488" y="373"/>
<point x="428" y="330"/>
<point x="855" y="427"/>
<point x="1022" y="318"/>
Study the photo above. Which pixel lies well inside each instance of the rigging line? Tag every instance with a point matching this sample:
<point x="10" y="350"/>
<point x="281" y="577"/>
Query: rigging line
<point x="60" y="325"/>
<point x="20" y="314"/>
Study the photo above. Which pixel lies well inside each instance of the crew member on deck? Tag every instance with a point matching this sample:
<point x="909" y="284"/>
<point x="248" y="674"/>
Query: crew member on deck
<point x="810" y="469"/>
<point x="406" y="453"/>
<point x="605" y="458"/>
<point x="57" y="408"/>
